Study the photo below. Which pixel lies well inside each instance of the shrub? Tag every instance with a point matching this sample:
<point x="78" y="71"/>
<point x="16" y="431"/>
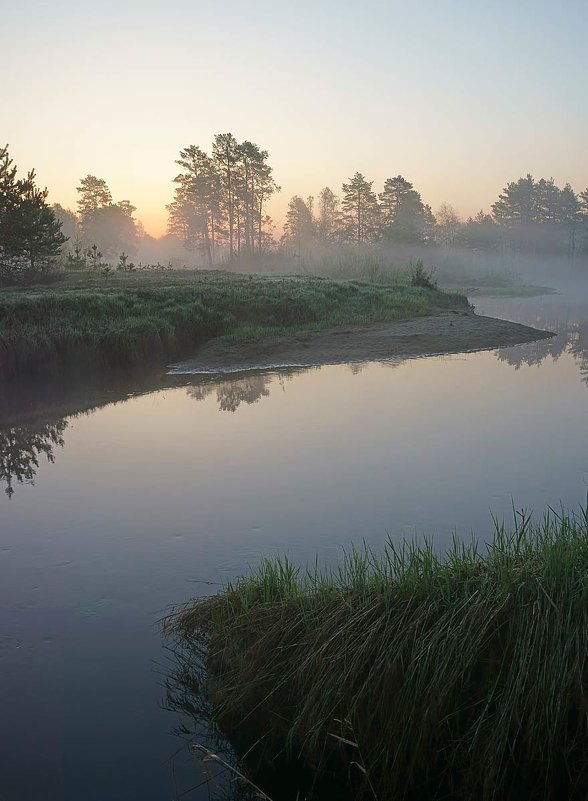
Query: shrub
<point x="420" y="276"/>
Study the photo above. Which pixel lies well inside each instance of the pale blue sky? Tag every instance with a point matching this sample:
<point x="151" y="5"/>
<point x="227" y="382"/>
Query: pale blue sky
<point x="457" y="96"/>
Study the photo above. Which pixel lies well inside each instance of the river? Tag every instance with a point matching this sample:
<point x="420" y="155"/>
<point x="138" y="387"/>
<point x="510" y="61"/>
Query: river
<point x="108" y="517"/>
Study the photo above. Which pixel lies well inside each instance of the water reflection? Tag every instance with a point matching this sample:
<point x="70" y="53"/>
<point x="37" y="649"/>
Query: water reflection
<point x="251" y="387"/>
<point x="26" y="437"/>
<point x="197" y="729"/>
<point x="534" y="353"/>
<point x="230" y="394"/>
<point x="21" y="448"/>
<point x="227" y="759"/>
<point x="569" y="322"/>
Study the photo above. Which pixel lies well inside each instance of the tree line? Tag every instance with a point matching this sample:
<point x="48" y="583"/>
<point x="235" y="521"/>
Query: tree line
<point x="529" y="215"/>
<point x="397" y="214"/>
<point x="219" y="210"/>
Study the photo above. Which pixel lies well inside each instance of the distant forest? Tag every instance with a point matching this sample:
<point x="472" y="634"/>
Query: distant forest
<point x="220" y="202"/>
<point x="218" y="215"/>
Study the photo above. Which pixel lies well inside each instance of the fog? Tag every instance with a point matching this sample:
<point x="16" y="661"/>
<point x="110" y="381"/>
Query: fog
<point x="533" y="232"/>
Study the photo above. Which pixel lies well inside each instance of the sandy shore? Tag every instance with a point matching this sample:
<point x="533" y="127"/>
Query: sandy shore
<point x="447" y="332"/>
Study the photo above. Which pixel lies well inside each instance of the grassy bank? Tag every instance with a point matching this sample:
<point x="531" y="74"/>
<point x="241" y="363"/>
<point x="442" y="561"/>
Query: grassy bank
<point x="95" y="321"/>
<point x="409" y="675"/>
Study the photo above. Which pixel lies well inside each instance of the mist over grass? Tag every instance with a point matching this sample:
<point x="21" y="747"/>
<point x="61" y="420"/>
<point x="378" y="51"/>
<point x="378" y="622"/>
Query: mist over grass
<point x="458" y="267"/>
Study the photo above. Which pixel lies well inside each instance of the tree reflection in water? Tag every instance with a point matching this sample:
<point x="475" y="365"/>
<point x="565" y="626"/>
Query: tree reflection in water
<point x="571" y="336"/>
<point x="231" y="393"/>
<point x="250" y="388"/>
<point x="21" y="447"/>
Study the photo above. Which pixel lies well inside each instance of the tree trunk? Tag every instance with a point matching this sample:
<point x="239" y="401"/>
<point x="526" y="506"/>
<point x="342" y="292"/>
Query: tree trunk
<point x="259" y="220"/>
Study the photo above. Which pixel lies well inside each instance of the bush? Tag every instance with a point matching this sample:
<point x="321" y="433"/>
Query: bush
<point x="420" y="276"/>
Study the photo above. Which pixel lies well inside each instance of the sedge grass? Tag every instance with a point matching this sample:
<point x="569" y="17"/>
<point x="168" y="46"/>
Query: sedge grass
<point x="423" y="676"/>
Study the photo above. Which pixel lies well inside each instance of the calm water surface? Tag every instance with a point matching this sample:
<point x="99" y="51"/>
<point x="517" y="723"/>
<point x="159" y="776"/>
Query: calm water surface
<point x="143" y="502"/>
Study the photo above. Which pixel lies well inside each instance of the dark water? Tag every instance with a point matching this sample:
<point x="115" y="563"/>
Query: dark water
<point x="138" y="503"/>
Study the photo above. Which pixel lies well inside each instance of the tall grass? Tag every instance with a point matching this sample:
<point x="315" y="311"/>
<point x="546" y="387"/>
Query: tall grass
<point x="418" y="676"/>
<point x="123" y="322"/>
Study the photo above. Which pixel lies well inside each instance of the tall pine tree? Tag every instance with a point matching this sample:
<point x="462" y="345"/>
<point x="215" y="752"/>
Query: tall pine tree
<point x="299" y="228"/>
<point x="360" y="210"/>
<point x="405" y="218"/>
<point x="30" y="233"/>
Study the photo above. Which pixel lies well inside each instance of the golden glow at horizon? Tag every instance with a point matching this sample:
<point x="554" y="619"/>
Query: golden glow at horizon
<point x="468" y="97"/>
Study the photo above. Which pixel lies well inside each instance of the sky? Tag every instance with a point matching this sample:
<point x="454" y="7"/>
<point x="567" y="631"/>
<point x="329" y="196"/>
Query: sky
<point x="459" y="96"/>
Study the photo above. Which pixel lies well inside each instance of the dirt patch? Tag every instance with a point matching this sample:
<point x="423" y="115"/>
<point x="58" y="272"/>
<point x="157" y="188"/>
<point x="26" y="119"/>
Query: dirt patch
<point x="447" y="332"/>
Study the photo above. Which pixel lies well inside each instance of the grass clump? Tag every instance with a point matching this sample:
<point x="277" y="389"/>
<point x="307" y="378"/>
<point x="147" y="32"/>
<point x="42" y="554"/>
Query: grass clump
<point x="125" y="319"/>
<point x="410" y="674"/>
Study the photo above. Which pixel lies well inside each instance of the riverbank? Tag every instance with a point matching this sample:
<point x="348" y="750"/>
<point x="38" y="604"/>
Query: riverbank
<point x="447" y="332"/>
<point x="131" y="320"/>
<point x="406" y="674"/>
<point x="92" y="322"/>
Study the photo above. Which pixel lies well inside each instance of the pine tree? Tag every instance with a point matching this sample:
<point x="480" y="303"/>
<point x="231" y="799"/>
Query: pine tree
<point x="30" y="233"/>
<point x="182" y="219"/>
<point x="9" y="199"/>
<point x="328" y="215"/>
<point x="517" y="203"/>
<point x="583" y="219"/>
<point x="395" y="191"/>
<point x="94" y="194"/>
<point x="249" y="156"/>
<point x="481" y="232"/>
<point x="546" y="201"/>
<point x="360" y="210"/>
<point x="299" y="228"/>
<point x="254" y="186"/>
<point x="225" y="154"/>
<point x="264" y="187"/>
<point x="39" y="230"/>
<point x="404" y="216"/>
<point x="222" y="199"/>
<point x="196" y="212"/>
<point x="569" y="215"/>
<point x="538" y="215"/>
<point x="8" y="189"/>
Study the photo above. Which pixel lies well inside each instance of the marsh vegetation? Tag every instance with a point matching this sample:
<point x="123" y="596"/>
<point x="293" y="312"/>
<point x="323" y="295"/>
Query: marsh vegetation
<point x="406" y="673"/>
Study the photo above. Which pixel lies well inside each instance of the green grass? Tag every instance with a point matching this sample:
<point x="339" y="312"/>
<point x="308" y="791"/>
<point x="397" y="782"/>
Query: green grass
<point x="95" y="321"/>
<point x="417" y="676"/>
